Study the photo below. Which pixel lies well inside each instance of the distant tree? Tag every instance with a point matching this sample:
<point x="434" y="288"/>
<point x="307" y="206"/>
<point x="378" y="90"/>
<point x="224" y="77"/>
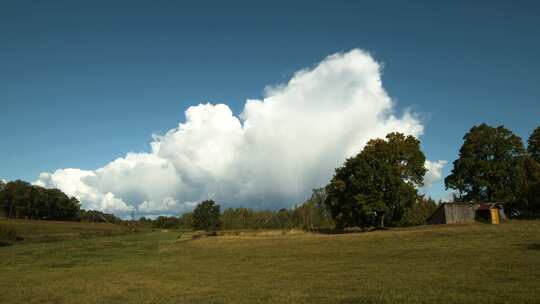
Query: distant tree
<point x="186" y="220"/>
<point x="532" y="200"/>
<point x="206" y="216"/>
<point x="419" y="212"/>
<point x="263" y="220"/>
<point x="532" y="170"/>
<point x="528" y="204"/>
<point x="15" y="198"/>
<point x="284" y="218"/>
<point x="533" y="146"/>
<point x="166" y="222"/>
<point x="312" y="214"/>
<point x="246" y="215"/>
<point x="231" y="219"/>
<point x="20" y="199"/>
<point x="2" y="187"/>
<point x="379" y="183"/>
<point x="490" y="166"/>
<point x="95" y="216"/>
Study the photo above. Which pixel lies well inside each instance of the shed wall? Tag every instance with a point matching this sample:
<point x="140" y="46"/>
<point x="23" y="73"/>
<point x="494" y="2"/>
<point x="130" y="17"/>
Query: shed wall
<point x="459" y="213"/>
<point x="437" y="217"/>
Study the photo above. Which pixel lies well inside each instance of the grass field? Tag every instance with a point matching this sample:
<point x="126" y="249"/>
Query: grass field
<point x="476" y="263"/>
<point x="36" y="231"/>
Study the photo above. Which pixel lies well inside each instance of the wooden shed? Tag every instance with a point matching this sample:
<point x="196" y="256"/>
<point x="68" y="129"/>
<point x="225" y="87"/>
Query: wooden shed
<point x="453" y="213"/>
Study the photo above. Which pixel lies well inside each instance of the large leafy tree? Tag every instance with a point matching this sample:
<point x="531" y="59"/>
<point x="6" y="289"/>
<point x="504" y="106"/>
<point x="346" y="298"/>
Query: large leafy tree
<point x="490" y="166"/>
<point x="19" y="199"/>
<point x="379" y="183"/>
<point x="529" y="205"/>
<point x="15" y="198"/>
<point x="206" y="216"/>
<point x="533" y="146"/>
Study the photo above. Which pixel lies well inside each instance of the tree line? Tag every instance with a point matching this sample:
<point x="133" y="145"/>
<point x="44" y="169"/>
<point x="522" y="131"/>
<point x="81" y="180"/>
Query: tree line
<point x="378" y="187"/>
<point x="20" y="199"/>
<point x="311" y="215"/>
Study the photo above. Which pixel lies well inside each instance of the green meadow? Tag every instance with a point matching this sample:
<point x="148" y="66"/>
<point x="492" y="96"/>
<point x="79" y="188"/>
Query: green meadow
<point x="103" y="263"/>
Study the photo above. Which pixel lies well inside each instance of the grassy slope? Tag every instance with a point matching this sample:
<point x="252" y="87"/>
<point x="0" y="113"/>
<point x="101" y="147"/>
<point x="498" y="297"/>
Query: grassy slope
<point x="445" y="264"/>
<point x="34" y="231"/>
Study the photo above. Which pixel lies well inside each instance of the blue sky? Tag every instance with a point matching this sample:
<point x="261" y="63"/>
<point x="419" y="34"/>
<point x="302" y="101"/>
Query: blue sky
<point x="82" y="83"/>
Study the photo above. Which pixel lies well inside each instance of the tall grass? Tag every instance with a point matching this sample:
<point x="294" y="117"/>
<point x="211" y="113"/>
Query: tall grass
<point x="475" y="263"/>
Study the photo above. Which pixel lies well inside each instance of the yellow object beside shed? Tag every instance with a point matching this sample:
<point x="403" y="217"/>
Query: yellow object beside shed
<point x="490" y="212"/>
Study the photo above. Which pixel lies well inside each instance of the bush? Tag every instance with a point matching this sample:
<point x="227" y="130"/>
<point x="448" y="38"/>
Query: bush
<point x="418" y="213"/>
<point x="8" y="236"/>
<point x="206" y="216"/>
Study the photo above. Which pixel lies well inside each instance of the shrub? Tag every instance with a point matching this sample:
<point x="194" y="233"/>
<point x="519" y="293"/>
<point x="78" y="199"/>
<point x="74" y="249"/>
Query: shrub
<point x="418" y="213"/>
<point x="206" y="216"/>
<point x="8" y="236"/>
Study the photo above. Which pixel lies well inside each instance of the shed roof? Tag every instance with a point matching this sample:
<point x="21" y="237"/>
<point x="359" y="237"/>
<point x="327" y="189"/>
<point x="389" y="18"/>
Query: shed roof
<point x="488" y="206"/>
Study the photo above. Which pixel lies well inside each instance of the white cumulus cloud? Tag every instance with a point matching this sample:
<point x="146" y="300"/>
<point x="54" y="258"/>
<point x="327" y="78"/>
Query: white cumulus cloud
<point x="434" y="172"/>
<point x="270" y="156"/>
<point x="73" y="182"/>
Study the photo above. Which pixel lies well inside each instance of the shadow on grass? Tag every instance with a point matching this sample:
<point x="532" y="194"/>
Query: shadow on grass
<point x="533" y="246"/>
<point x="347" y="231"/>
<point x="359" y="300"/>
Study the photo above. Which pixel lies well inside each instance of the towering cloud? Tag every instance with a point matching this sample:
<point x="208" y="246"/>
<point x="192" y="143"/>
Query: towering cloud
<point x="271" y="156"/>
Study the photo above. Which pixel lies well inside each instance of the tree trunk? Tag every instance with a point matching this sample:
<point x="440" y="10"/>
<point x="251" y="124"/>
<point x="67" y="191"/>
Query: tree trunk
<point x="381" y="221"/>
<point x="11" y="210"/>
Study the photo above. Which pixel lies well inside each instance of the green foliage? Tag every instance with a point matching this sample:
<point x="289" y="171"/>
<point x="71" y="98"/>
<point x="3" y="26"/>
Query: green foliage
<point x="98" y="217"/>
<point x="533" y="146"/>
<point x="166" y="222"/>
<point x="171" y="222"/>
<point x="186" y="220"/>
<point x="313" y="215"/>
<point x="492" y="166"/>
<point x="532" y="201"/>
<point x="529" y="203"/>
<point x="377" y="184"/>
<point x="237" y="218"/>
<point x="245" y="218"/>
<point x="418" y="213"/>
<point x="19" y="199"/>
<point x="206" y="216"/>
<point x="310" y="215"/>
<point x="284" y="218"/>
